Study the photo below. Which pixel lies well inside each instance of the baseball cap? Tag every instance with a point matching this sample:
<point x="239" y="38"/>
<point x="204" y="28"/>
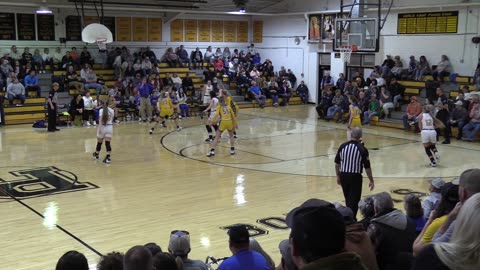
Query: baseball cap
<point x="239" y="234"/>
<point x="437" y="182"/>
<point x="179" y="244"/>
<point x="286" y="252"/>
<point x="346" y="213"/>
<point x="311" y="203"/>
<point x="459" y="103"/>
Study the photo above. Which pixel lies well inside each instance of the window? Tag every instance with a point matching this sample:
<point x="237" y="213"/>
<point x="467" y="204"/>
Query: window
<point x="368" y="60"/>
<point x="325" y="59"/>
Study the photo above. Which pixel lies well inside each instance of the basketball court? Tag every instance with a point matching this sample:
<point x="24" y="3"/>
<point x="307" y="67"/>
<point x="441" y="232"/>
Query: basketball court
<point x="61" y="199"/>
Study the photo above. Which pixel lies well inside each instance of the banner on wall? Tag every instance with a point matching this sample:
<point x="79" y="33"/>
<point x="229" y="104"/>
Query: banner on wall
<point x="26" y="26"/>
<point x="257" y="31"/>
<point x="7" y="26"/>
<point x="204" y="31"/>
<point x="155" y="29"/>
<point x="428" y="23"/>
<point x="242" y="31"/>
<point x="321" y="27"/>
<point x="217" y="31"/>
<point x="46" y="27"/>
<point x="124" y="29"/>
<point x="73" y="28"/>
<point x="176" y="31"/>
<point x="90" y="19"/>
<point x="230" y="30"/>
<point x="139" y="29"/>
<point x="191" y="31"/>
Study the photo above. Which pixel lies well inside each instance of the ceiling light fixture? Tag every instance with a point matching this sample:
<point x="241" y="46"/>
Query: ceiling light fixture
<point x="43" y="9"/>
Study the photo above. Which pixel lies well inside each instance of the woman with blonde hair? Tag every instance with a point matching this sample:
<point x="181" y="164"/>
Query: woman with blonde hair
<point x="463" y="250"/>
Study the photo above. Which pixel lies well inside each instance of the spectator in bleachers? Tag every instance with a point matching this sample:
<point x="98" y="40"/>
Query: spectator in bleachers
<point x="387" y="66"/>
<point x="448" y="201"/>
<point x="412" y="67"/>
<point x="72" y="260"/>
<point x="183" y="57"/>
<point x="75" y="56"/>
<point x="179" y="246"/>
<point x="129" y="71"/>
<point x="83" y="72"/>
<point x="91" y="82"/>
<point x="256" y="59"/>
<point x="397" y="91"/>
<point x="47" y="60"/>
<point x="423" y="68"/>
<point x="6" y="68"/>
<point x="147" y="67"/>
<point x="462" y="251"/>
<point x="15" y="90"/>
<point x="145" y="90"/>
<point x="461" y="97"/>
<point x="357" y="239"/>
<point x="218" y="54"/>
<point x="282" y="72"/>
<point x="88" y="109"/>
<point x="337" y="105"/>
<point x="398" y="67"/>
<point x="14" y="54"/>
<point x="318" y="237"/>
<point x="226" y="54"/>
<point x="472" y="129"/>
<point x="171" y="58"/>
<point x="473" y="98"/>
<point x="391" y="231"/>
<point x="284" y="92"/>
<point x="196" y="57"/>
<point x="374" y="109"/>
<point x="327" y="81"/>
<point x="111" y="261"/>
<point x="31" y="82"/>
<point x="458" y="118"/>
<point x="151" y="55"/>
<point x="137" y="68"/>
<point x="443" y="69"/>
<point x="187" y="83"/>
<point x="37" y="61"/>
<point x="18" y="69"/>
<point x="138" y="258"/>
<point x="302" y="92"/>
<point x="26" y="56"/>
<point x="257" y="94"/>
<point x="431" y="201"/>
<point x="232" y="70"/>
<point x="291" y="78"/>
<point x="242" y="257"/>
<point x="68" y="61"/>
<point x="442" y="113"/>
<point x="362" y="103"/>
<point x="218" y="66"/>
<point x="73" y="81"/>
<point x="414" y="210"/>
<point x="86" y="57"/>
<point x="209" y="55"/>
<point x="12" y="76"/>
<point x="177" y="81"/>
<point x="341" y="81"/>
<point x="286" y="262"/>
<point x="411" y="115"/>
<point x="385" y="102"/>
<point x="76" y="107"/>
<point x="57" y="58"/>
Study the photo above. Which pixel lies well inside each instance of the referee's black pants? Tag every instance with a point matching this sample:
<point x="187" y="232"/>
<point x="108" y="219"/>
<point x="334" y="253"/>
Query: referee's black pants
<point x="352" y="190"/>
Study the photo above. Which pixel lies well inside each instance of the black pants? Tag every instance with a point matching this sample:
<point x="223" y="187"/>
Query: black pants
<point x="87" y="114"/>
<point x="352" y="190"/>
<point x="52" y="117"/>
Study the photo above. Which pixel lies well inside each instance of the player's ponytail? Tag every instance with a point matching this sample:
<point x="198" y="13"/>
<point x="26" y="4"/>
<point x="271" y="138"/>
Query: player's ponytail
<point x="105" y="112"/>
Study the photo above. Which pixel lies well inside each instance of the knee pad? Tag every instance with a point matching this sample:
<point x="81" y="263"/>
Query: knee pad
<point x="209" y="129"/>
<point x="107" y="145"/>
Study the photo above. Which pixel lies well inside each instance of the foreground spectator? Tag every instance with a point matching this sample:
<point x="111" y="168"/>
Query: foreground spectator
<point x="111" y="261"/>
<point x="462" y="252"/>
<point x="286" y="262"/>
<point x="257" y="94"/>
<point x="137" y="258"/>
<point x="15" y="90"/>
<point x="255" y="246"/>
<point x="242" y="258"/>
<point x="72" y="260"/>
<point x="432" y="200"/>
<point x="391" y="231"/>
<point x="179" y="246"/>
<point x="153" y="248"/>
<point x="472" y="129"/>
<point x="317" y="238"/>
<point x="166" y="261"/>
<point x="414" y="210"/>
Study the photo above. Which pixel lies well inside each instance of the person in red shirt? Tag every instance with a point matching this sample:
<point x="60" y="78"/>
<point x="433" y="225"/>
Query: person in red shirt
<point x="413" y="111"/>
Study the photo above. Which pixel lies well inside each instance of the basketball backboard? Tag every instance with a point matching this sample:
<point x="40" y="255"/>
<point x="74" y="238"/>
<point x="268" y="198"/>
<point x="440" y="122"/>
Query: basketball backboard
<point x="362" y="32"/>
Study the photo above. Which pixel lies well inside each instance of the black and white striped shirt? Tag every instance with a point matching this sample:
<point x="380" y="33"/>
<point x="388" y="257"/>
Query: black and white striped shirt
<point x="352" y="157"/>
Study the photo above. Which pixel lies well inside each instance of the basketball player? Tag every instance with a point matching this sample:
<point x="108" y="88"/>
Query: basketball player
<point x="232" y="104"/>
<point x="229" y="123"/>
<point x="166" y="110"/>
<point x="104" y="131"/>
<point x="212" y="108"/>
<point x="427" y="124"/>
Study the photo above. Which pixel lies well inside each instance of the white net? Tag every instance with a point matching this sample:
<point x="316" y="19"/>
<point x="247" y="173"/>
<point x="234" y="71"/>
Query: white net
<point x="102" y="43"/>
<point x="347" y="53"/>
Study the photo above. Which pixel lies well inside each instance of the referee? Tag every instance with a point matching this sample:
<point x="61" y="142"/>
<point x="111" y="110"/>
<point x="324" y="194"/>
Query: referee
<point x="350" y="160"/>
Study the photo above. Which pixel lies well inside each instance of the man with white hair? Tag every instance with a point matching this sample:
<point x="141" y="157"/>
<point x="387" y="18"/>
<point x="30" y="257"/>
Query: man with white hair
<point x="351" y="158"/>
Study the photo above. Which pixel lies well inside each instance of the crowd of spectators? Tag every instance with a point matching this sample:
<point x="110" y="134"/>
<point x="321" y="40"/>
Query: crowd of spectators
<point x="439" y="233"/>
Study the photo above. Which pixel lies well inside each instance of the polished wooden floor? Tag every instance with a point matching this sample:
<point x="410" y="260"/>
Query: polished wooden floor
<point x="163" y="182"/>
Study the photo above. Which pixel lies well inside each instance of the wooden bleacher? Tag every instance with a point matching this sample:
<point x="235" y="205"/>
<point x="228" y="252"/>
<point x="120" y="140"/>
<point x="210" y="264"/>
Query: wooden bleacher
<point x="32" y="110"/>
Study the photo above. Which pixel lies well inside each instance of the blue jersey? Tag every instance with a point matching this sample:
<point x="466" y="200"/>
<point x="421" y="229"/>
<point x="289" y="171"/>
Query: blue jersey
<point x="244" y="260"/>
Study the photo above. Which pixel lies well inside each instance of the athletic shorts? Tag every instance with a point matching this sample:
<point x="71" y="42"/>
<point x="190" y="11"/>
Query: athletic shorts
<point x="225" y="126"/>
<point x="166" y="114"/>
<point x="105" y="131"/>
<point x="211" y="115"/>
<point x="429" y="136"/>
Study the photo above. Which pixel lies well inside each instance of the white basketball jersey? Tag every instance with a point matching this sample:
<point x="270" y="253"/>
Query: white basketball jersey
<point x="427" y="121"/>
<point x="215" y="104"/>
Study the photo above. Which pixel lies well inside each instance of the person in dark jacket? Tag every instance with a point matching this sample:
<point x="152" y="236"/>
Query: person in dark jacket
<point x="391" y="231"/>
<point x="325" y="102"/>
<point x="302" y="92"/>
<point x="397" y="90"/>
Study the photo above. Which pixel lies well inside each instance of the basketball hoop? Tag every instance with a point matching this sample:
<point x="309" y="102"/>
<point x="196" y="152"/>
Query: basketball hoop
<point x="347" y="52"/>
<point x="101" y="43"/>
